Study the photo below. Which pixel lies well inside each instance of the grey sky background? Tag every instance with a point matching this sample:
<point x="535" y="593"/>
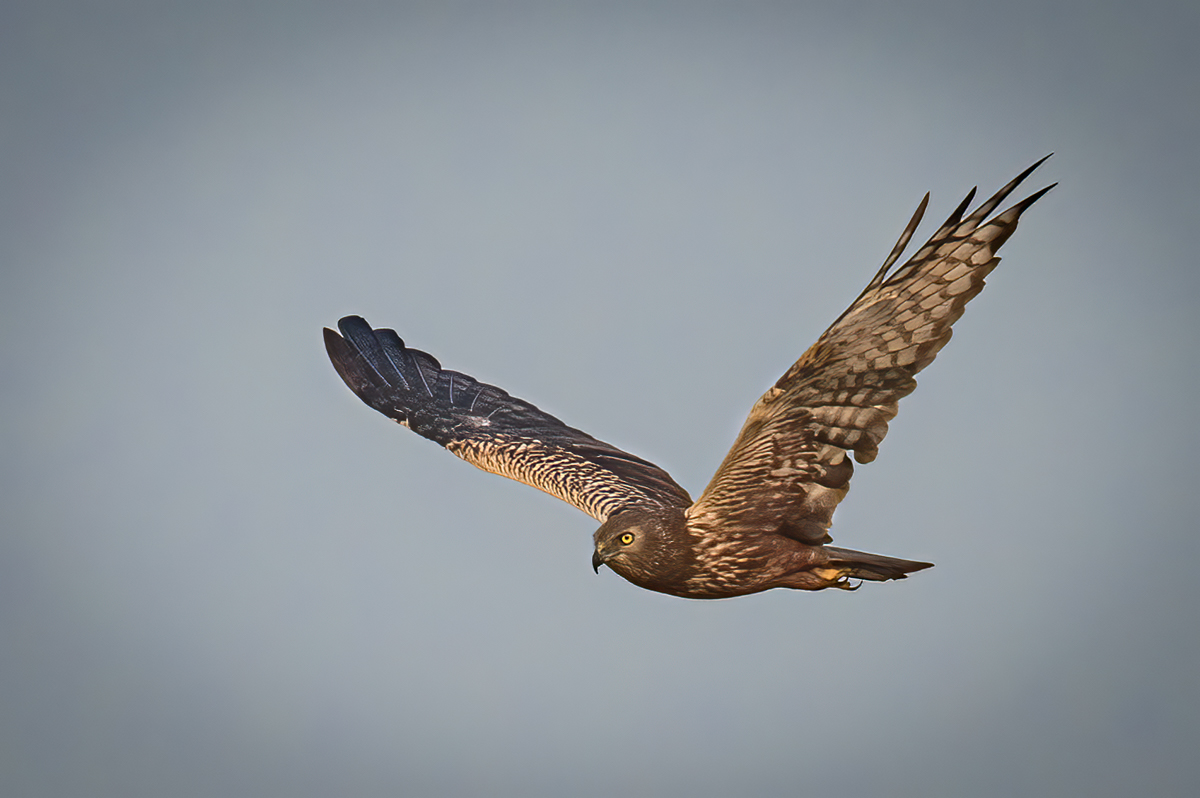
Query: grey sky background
<point x="221" y="574"/>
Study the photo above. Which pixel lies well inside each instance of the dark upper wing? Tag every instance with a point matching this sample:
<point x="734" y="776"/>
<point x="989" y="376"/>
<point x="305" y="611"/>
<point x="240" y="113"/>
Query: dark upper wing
<point x="492" y="430"/>
<point x="789" y="467"/>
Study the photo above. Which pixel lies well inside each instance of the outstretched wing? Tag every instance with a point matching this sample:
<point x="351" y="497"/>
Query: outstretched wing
<point x="789" y="467"/>
<point x="490" y="429"/>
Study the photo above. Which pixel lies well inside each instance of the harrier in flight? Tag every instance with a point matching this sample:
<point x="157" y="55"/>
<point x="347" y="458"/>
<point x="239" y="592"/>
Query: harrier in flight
<point x="763" y="521"/>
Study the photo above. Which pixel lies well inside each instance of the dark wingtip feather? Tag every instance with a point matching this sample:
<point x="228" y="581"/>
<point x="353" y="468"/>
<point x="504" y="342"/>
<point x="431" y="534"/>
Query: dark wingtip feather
<point x="370" y="348"/>
<point x="956" y="215"/>
<point x="345" y="360"/>
<point x="897" y="250"/>
<point x="985" y="210"/>
<point x="1032" y="198"/>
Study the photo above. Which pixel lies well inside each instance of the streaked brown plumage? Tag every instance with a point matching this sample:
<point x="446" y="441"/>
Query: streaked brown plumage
<point x="763" y="521"/>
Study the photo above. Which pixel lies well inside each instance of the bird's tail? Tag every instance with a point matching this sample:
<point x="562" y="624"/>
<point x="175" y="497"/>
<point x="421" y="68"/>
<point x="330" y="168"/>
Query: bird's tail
<point x="849" y="564"/>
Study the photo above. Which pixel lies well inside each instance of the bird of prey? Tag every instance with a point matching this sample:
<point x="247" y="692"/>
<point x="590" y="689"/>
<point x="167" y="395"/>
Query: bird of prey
<point x="763" y="521"/>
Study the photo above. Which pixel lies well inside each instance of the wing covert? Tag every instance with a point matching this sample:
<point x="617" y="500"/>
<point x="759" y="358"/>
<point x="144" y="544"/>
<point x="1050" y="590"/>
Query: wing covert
<point x="789" y="466"/>
<point x="491" y="429"/>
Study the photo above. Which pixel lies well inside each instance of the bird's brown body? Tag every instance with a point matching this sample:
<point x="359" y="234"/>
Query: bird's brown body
<point x="679" y="561"/>
<point x="763" y="521"/>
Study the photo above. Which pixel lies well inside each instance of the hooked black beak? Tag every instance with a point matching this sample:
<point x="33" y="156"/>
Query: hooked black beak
<point x="597" y="561"/>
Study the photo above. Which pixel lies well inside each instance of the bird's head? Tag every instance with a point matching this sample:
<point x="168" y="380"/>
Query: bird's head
<point x="642" y="546"/>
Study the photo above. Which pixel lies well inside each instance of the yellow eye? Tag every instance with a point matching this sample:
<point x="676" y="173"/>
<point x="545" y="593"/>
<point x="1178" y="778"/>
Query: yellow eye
<point x="626" y="539"/>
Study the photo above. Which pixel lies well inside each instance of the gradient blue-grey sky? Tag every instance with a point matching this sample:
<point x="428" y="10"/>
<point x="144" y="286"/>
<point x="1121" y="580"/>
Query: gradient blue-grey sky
<point x="220" y="574"/>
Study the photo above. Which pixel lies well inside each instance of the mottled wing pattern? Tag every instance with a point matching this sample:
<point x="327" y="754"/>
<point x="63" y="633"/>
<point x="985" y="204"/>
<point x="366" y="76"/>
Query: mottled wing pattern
<point x="490" y="429"/>
<point x="789" y="466"/>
